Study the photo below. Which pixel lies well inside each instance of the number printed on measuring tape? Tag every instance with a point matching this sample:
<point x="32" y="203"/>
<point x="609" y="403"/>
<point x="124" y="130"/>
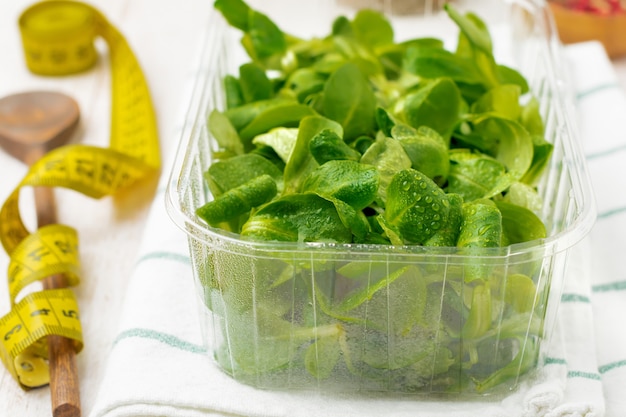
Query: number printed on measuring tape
<point x="38" y="311"/>
<point x="53" y="250"/>
<point x="37" y="315"/>
<point x="58" y="39"/>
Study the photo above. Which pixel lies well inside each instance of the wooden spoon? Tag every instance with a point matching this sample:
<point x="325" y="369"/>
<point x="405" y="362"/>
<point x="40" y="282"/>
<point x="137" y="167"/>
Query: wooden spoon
<point x="32" y="124"/>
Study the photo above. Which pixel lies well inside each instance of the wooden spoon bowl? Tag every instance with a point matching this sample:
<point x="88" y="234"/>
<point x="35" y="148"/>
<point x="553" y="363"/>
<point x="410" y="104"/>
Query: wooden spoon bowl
<point x="34" y="123"/>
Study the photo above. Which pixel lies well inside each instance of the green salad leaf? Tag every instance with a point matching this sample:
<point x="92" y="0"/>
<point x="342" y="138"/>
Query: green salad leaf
<point x="416" y="207"/>
<point x="502" y="100"/>
<point x="437" y="105"/>
<point x="242" y="115"/>
<point x="301" y="162"/>
<point x="297" y="218"/>
<point x="519" y="223"/>
<point x="277" y="116"/>
<point x="281" y="139"/>
<point x="448" y="235"/>
<point x="304" y="83"/>
<point x="354" y="183"/>
<point x="435" y="63"/>
<point x="389" y="157"/>
<point x="474" y="175"/>
<point x="328" y="146"/>
<point x="235" y="171"/>
<point x="426" y="149"/>
<point x="238" y="200"/>
<point x="225" y="133"/>
<point x="349" y="100"/>
<point x="254" y="83"/>
<point x="372" y="29"/>
<point x="481" y="226"/>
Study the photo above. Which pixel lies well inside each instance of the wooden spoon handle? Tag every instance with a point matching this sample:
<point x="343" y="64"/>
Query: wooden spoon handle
<point x="64" y="385"/>
<point x="63" y="377"/>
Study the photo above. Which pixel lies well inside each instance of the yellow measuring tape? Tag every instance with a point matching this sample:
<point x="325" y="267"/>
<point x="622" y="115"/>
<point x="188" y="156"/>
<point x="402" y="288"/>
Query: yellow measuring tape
<point x="58" y="39"/>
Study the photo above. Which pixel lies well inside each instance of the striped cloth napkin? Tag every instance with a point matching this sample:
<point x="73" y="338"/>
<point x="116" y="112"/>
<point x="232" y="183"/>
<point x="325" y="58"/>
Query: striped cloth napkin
<point x="158" y="366"/>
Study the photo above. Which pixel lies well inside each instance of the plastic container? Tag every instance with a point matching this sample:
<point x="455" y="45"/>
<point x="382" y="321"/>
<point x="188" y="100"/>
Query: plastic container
<point x="296" y="316"/>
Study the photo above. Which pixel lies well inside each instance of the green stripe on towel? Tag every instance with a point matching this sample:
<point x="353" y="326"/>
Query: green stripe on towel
<point x="586" y="375"/>
<point x="611" y="213"/>
<point x="166" y="256"/>
<point x="605" y="152"/>
<point x="615" y="365"/>
<point x="165" y="338"/>
<point x="612" y="286"/>
<point x="555" y="361"/>
<point x="596" y="89"/>
<point x="574" y="298"/>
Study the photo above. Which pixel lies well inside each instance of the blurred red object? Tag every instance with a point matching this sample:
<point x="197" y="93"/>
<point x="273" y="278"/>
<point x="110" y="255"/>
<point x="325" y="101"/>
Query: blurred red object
<point x="603" y="7"/>
<point x="584" y="20"/>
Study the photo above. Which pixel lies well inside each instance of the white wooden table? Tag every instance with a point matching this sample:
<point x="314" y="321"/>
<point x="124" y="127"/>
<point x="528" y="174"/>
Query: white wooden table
<point x="165" y="36"/>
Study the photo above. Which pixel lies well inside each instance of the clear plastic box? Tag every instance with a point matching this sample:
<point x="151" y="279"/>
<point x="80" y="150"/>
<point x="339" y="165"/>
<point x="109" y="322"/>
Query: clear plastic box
<point x="284" y="316"/>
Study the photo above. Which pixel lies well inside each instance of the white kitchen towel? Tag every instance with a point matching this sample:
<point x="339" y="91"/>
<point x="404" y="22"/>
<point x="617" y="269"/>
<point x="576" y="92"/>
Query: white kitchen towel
<point x="159" y="367"/>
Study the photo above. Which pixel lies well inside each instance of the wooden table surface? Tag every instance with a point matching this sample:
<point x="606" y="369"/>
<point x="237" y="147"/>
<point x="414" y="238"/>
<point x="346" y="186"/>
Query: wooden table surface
<point x="165" y="36"/>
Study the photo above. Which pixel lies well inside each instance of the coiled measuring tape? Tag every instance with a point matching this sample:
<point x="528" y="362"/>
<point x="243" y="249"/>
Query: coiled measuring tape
<point x="58" y="39"/>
